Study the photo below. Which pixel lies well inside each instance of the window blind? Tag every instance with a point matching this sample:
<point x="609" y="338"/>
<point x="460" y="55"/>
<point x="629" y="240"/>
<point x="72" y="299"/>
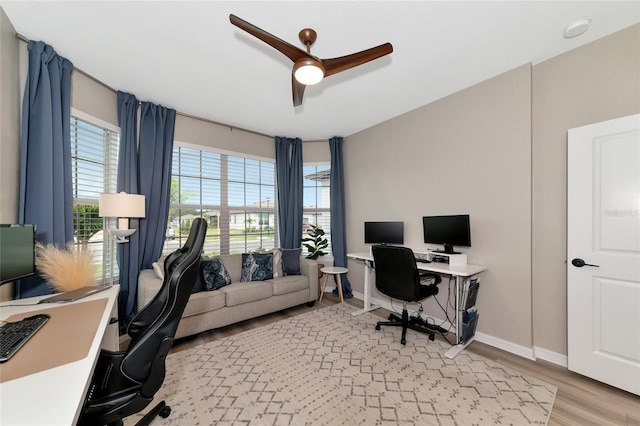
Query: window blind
<point x="94" y="160"/>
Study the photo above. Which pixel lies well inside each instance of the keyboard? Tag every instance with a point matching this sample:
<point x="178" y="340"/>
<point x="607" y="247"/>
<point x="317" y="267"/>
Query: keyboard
<point x="14" y="335"/>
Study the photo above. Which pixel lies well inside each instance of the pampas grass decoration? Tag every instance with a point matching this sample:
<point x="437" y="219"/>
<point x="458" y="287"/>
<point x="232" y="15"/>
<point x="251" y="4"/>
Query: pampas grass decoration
<point x="67" y="269"/>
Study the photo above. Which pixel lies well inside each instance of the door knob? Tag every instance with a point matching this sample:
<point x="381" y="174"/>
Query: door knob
<point x="580" y="263"/>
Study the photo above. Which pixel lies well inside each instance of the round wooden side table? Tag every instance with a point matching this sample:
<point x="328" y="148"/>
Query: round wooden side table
<point x="333" y="270"/>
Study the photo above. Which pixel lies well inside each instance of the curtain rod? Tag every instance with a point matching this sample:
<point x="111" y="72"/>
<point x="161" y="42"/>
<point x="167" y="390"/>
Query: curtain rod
<point x="106" y="86"/>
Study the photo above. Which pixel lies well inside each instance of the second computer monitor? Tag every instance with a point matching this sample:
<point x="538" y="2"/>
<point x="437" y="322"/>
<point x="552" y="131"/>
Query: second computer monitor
<point x="448" y="230"/>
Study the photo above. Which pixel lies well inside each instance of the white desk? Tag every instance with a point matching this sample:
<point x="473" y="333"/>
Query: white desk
<point x="54" y="396"/>
<point x="459" y="272"/>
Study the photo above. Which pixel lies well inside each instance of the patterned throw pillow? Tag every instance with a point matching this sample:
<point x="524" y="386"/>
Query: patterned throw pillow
<point x="214" y="274"/>
<point x="291" y="261"/>
<point x="257" y="266"/>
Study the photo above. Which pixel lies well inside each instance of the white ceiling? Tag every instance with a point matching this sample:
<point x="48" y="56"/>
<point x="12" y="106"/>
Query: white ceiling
<point x="186" y="54"/>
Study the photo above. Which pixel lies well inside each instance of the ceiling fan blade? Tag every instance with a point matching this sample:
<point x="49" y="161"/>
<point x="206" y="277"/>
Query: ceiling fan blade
<point x="298" y="90"/>
<point x="336" y="65"/>
<point x="289" y="50"/>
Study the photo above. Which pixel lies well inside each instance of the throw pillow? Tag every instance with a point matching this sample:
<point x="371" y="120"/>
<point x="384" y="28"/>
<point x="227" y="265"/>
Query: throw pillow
<point x="158" y="270"/>
<point x="158" y="267"/>
<point x="277" y="263"/>
<point x="291" y="261"/>
<point x="257" y="266"/>
<point x="214" y="274"/>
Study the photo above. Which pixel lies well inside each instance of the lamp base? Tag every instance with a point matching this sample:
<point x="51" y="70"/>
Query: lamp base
<point x="120" y="235"/>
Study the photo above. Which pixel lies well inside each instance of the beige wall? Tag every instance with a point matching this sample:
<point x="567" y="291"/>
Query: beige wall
<point x="497" y="151"/>
<point x="9" y="129"/>
<point x="93" y="98"/>
<point x="594" y="83"/>
<point x="9" y="120"/>
<point x="467" y="153"/>
<point x="203" y="133"/>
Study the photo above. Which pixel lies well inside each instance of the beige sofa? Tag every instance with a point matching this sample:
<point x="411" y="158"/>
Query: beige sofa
<point x="237" y="301"/>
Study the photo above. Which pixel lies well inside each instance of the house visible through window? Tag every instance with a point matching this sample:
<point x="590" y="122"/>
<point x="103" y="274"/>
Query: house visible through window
<point x="94" y="163"/>
<point x="236" y="195"/>
<point x="316" y="199"/>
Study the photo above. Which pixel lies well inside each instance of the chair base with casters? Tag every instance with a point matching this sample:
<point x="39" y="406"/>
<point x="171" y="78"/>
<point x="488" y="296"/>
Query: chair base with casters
<point x="405" y="323"/>
<point x="109" y="407"/>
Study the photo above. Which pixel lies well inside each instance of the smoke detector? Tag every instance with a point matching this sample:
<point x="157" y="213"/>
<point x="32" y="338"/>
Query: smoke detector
<point x="577" y="28"/>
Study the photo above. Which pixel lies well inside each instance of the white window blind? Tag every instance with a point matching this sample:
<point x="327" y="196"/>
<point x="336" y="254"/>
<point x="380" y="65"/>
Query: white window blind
<point x="94" y="163"/>
<point x="236" y="195"/>
<point x="317" y="199"/>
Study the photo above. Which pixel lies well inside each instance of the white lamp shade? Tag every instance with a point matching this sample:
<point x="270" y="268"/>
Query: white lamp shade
<point x="121" y="205"/>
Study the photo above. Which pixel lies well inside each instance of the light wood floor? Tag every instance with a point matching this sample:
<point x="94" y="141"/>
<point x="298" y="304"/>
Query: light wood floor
<point x="579" y="400"/>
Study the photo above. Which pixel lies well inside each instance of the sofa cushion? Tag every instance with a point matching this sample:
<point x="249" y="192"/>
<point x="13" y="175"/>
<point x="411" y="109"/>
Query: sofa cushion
<point x="214" y="274"/>
<point x="148" y="287"/>
<point x="257" y="266"/>
<point x="291" y="261"/>
<point x="233" y="263"/>
<point x="239" y="293"/>
<point x="289" y="284"/>
<point x="205" y="301"/>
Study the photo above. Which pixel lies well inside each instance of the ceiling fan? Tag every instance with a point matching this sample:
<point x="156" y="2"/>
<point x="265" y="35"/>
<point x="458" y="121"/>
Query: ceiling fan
<point x="309" y="69"/>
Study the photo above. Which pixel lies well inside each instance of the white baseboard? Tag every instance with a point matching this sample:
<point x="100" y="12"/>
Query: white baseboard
<point x="507" y="346"/>
<point x="550" y="356"/>
<point x="532" y="353"/>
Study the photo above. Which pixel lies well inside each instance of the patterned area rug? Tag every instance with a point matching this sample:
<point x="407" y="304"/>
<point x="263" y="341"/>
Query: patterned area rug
<point x="327" y="367"/>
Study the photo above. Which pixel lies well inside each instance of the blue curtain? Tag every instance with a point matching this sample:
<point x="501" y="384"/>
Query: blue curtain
<point x="338" y="232"/>
<point x="143" y="168"/>
<point x="289" y="182"/>
<point x="46" y="198"/>
<point x="128" y="253"/>
<point x="157" y="126"/>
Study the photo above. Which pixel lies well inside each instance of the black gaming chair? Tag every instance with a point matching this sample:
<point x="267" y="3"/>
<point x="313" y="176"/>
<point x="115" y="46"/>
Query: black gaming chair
<point x="125" y="382"/>
<point x="398" y="276"/>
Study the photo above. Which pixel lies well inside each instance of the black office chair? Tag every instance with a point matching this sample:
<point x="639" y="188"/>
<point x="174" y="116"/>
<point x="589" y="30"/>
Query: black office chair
<point x="125" y="382"/>
<point x="398" y="276"/>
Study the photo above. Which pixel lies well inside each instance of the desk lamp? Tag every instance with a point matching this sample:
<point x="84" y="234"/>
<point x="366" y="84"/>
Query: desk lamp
<point x="123" y="206"/>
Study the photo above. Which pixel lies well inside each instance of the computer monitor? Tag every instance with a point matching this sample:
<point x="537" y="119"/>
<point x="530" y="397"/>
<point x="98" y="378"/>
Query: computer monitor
<point x="384" y="232"/>
<point x="17" y="252"/>
<point x="449" y="230"/>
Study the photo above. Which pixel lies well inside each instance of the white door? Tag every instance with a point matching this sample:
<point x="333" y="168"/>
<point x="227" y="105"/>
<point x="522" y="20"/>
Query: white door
<point x="603" y="249"/>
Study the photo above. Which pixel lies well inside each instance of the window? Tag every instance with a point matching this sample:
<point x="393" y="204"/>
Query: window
<point x="94" y="163"/>
<point x="316" y="199"/>
<point x="236" y="195"/>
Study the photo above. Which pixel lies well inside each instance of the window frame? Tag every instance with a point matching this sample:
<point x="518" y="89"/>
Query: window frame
<point x="225" y="245"/>
<point x="318" y="211"/>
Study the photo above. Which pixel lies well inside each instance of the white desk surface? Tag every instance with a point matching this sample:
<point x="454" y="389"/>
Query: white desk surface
<point x="54" y="396"/>
<point x="439" y="268"/>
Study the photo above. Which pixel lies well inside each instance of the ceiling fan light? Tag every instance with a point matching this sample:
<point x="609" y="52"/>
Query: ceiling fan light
<point x="308" y="72"/>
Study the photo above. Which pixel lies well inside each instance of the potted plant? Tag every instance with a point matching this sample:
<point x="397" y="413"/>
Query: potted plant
<point x="315" y="242"/>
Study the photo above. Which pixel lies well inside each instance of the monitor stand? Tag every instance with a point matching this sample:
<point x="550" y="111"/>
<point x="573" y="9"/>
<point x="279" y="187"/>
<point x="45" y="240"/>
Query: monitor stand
<point x="448" y="249"/>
